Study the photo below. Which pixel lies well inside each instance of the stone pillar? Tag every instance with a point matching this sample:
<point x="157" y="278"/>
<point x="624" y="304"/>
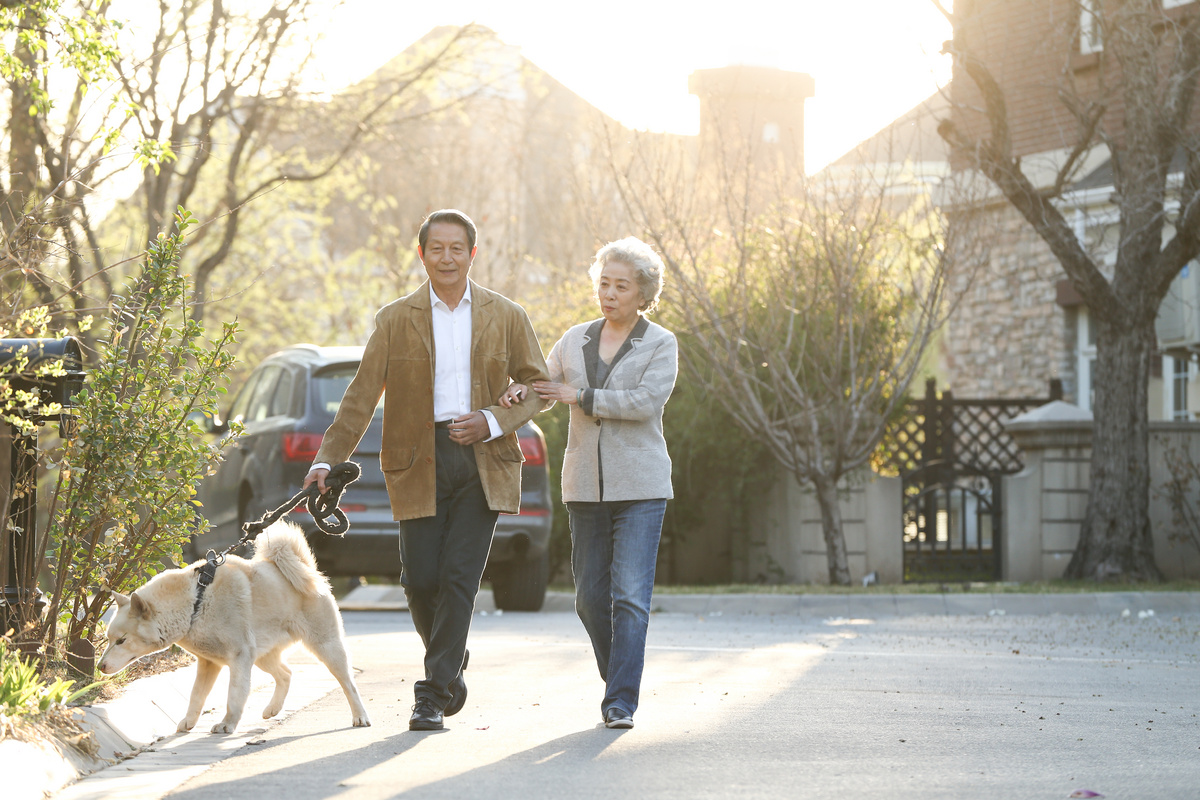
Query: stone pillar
<point x="790" y="547"/>
<point x="1044" y="503"/>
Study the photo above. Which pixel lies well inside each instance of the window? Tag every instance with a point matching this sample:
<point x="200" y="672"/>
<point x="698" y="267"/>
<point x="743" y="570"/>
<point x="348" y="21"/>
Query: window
<point x="771" y="133"/>
<point x="331" y="385"/>
<point x="281" y="400"/>
<point x="1090" y="40"/>
<point x="1180" y="374"/>
<point x="260" y="403"/>
<point x="1085" y="352"/>
<point x="238" y="410"/>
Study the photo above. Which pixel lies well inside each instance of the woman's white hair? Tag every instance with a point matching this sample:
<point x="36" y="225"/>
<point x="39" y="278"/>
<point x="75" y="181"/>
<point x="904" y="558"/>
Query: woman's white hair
<point x="647" y="268"/>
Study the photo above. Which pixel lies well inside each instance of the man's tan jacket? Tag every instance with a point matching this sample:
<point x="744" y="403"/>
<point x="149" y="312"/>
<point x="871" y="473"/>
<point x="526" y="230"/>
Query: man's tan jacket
<point x="398" y="363"/>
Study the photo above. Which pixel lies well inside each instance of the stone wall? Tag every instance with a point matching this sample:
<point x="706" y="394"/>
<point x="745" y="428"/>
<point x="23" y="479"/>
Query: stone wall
<point x="788" y="543"/>
<point x="1043" y="507"/>
<point x="1045" y="503"/>
<point x="1007" y="335"/>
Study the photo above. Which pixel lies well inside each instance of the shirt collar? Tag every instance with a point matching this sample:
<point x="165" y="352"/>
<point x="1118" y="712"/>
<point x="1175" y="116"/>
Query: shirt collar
<point x="435" y="300"/>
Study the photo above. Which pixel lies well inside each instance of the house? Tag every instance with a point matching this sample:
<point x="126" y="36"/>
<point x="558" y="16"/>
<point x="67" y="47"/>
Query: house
<point x="1018" y="325"/>
<point x="1021" y="323"/>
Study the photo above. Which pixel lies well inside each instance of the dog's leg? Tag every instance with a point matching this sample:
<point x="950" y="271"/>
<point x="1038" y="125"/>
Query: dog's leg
<point x="273" y="664"/>
<point x="239" y="690"/>
<point x="206" y="676"/>
<point x="332" y="653"/>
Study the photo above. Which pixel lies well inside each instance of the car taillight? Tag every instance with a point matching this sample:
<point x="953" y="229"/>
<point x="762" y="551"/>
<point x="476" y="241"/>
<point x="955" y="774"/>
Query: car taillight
<point x="301" y="446"/>
<point x="534" y="450"/>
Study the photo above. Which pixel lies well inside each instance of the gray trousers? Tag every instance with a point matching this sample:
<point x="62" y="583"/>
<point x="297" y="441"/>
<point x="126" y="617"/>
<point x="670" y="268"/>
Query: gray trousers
<point x="442" y="560"/>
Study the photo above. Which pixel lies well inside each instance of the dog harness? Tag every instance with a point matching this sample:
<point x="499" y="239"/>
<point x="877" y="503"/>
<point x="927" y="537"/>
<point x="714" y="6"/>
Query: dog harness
<point x="204" y="578"/>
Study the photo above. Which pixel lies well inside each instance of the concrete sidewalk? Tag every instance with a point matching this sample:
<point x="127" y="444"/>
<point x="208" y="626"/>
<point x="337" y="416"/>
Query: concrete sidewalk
<point x="146" y="714"/>
<point x="143" y="719"/>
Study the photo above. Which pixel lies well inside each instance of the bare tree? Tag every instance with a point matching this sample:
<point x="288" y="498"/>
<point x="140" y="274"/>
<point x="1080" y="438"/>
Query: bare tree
<point x="215" y="104"/>
<point x="804" y="305"/>
<point x="42" y="42"/>
<point x="1141" y="109"/>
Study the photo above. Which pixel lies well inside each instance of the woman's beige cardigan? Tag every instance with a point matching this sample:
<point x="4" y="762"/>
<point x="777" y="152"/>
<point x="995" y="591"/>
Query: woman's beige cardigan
<point x="616" y="436"/>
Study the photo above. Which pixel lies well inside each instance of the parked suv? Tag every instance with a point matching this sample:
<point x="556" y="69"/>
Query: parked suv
<point x="285" y="406"/>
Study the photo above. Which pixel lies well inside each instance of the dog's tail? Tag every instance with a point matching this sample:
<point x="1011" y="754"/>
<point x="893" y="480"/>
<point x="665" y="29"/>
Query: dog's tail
<point x="284" y="545"/>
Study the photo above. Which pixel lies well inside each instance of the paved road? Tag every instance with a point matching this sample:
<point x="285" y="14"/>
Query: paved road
<point x="737" y="705"/>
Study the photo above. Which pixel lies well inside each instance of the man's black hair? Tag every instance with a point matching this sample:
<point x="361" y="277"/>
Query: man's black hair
<point x="450" y="215"/>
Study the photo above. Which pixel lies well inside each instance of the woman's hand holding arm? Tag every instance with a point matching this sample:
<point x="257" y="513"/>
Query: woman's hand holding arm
<point x="559" y="392"/>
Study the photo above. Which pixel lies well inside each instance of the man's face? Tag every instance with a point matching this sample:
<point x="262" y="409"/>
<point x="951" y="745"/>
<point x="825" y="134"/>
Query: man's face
<point x="447" y="257"/>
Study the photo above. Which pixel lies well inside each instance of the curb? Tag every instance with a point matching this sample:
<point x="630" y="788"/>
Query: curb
<point x="900" y="605"/>
<point x="146" y="713"/>
<point x="391" y="598"/>
<point x="118" y="729"/>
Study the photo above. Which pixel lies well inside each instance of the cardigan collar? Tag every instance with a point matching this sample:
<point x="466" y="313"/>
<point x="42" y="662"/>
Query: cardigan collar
<point x="591" y="348"/>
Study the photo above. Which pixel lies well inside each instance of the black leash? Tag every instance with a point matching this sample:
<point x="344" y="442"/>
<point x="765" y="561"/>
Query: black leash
<point x="321" y="506"/>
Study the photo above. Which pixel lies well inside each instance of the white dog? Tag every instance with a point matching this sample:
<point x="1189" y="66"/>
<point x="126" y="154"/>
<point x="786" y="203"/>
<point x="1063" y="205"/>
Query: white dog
<point x="250" y="615"/>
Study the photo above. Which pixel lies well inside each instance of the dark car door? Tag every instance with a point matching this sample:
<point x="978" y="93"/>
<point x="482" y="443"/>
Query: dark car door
<point x="267" y="419"/>
<point x="239" y="489"/>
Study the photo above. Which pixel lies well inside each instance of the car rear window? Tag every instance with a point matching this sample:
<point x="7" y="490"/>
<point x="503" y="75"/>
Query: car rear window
<point x="331" y="385"/>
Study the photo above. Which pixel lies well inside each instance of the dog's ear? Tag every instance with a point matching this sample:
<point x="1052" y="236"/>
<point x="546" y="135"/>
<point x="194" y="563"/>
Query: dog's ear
<point x="121" y="600"/>
<point x="139" y="607"/>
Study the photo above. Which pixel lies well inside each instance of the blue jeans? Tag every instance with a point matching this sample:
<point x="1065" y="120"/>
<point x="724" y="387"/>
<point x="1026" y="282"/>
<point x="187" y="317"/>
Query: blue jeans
<point x="614" y="547"/>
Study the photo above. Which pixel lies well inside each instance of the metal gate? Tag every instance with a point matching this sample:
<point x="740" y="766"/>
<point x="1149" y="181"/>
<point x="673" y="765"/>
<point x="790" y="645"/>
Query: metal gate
<point x="950" y="455"/>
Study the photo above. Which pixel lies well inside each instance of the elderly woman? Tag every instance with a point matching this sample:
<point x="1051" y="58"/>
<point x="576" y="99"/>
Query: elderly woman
<point x="616" y="373"/>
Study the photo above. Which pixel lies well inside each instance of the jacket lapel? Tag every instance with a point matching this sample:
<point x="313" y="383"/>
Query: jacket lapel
<point x="633" y="340"/>
<point x="591" y="351"/>
<point x="483" y="315"/>
<point x="422" y="320"/>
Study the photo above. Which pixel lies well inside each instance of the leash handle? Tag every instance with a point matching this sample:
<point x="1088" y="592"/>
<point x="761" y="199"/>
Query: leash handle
<point x="321" y="506"/>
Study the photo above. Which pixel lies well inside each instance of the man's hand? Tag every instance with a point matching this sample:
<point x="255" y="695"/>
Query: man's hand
<point x="317" y="475"/>
<point x="469" y="428"/>
<point x="515" y="393"/>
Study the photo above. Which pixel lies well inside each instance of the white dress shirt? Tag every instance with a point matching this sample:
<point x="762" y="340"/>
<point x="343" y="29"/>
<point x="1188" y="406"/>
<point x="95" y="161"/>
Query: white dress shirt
<point x="451" y="364"/>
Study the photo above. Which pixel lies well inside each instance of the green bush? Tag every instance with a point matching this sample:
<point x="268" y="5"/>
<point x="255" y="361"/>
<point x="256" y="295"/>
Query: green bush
<point x="22" y="691"/>
<point x="124" y="480"/>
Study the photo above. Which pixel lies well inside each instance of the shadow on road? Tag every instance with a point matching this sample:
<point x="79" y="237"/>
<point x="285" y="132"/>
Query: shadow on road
<point x="561" y="756"/>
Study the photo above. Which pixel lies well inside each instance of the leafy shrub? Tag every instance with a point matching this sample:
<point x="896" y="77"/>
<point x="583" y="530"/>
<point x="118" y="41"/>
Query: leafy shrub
<point x="124" y="479"/>
<point x="22" y="691"/>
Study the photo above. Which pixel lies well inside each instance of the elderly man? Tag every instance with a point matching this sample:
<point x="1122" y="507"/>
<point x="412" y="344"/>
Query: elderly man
<point x="441" y="357"/>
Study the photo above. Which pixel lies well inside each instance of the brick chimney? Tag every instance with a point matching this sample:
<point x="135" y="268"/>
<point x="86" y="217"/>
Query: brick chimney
<point x="759" y="107"/>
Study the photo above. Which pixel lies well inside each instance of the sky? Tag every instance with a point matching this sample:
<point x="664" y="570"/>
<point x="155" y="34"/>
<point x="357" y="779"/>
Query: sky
<point x="872" y="60"/>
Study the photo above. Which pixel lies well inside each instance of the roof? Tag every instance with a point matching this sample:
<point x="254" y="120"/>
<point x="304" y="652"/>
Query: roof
<point x="912" y="137"/>
<point x="1102" y="176"/>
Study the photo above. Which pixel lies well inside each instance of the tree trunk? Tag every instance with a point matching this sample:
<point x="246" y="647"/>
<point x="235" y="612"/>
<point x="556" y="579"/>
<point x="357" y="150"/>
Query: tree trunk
<point x="1115" y="541"/>
<point x="831" y="525"/>
<point x="23" y="148"/>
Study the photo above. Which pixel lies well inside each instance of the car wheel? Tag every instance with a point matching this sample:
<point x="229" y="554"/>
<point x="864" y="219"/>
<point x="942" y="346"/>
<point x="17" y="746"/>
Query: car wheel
<point x="520" y="585"/>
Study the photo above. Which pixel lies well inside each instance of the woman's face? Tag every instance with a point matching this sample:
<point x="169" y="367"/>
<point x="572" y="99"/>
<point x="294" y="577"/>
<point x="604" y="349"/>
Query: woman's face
<point x="618" y="294"/>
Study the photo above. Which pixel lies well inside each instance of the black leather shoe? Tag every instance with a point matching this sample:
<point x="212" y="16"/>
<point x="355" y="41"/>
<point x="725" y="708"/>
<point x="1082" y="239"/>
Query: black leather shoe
<point x="458" y="689"/>
<point x="425" y="717"/>
<point x="616" y="718"/>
